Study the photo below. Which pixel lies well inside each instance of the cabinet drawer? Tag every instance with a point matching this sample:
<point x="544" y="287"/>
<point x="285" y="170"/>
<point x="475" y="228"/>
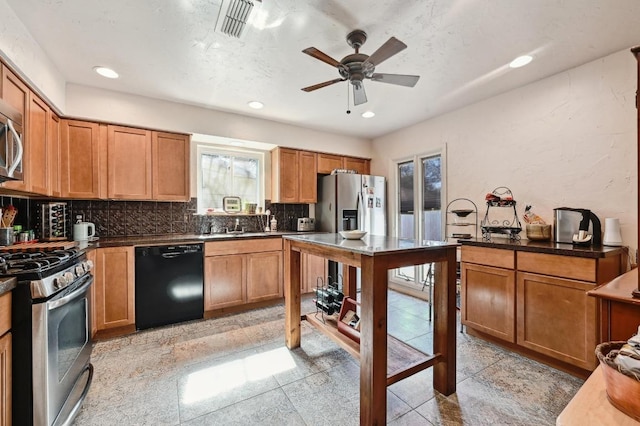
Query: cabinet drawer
<point x="242" y="245"/>
<point x="577" y="268"/>
<point x="488" y="256"/>
<point x="5" y="313"/>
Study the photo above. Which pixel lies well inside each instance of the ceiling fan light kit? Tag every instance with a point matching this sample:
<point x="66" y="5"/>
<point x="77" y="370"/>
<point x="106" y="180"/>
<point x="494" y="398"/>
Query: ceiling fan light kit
<point x="357" y="66"/>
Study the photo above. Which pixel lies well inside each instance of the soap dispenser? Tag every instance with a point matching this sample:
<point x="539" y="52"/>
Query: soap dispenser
<point x="274" y="224"/>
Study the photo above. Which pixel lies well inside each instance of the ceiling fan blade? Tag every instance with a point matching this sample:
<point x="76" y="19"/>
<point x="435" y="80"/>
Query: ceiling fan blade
<point x="359" y="96"/>
<point x="399" y="79"/>
<point x="312" y="51"/>
<point x="384" y="52"/>
<point x="324" y="84"/>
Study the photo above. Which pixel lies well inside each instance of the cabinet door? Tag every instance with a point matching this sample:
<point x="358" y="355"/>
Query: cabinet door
<point x="16" y="94"/>
<point x="114" y="286"/>
<point x="359" y="164"/>
<point x="308" y="185"/>
<point x="53" y="157"/>
<point x="313" y="267"/>
<point x="5" y="380"/>
<point x="557" y="318"/>
<point x="224" y="281"/>
<point x="328" y="162"/>
<point x="82" y="160"/>
<point x="170" y="153"/>
<point x="284" y="175"/>
<point x="264" y="276"/>
<point x="488" y="300"/>
<point x="128" y="163"/>
<point x="37" y="135"/>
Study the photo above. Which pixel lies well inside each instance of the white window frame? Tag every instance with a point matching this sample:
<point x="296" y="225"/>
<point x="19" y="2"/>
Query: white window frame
<point x="231" y="151"/>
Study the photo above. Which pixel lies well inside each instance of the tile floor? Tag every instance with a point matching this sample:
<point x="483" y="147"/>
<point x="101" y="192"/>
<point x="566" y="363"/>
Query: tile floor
<point x="236" y="370"/>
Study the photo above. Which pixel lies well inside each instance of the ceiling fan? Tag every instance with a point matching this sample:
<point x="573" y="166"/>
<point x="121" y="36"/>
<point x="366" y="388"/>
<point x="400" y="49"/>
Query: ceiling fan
<point x="357" y="66"/>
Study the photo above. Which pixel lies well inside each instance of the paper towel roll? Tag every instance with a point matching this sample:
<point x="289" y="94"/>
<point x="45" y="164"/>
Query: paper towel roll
<point x="612" y="236"/>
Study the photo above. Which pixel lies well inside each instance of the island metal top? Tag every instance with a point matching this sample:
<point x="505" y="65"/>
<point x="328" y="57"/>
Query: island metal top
<point x="370" y="245"/>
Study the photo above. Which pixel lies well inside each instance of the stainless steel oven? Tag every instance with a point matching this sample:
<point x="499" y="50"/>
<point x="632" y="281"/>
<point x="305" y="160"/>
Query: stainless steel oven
<point x="51" y="325"/>
<point x="61" y="350"/>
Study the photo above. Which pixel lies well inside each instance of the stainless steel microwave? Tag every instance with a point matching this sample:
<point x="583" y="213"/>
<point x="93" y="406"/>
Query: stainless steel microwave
<point x="10" y="143"/>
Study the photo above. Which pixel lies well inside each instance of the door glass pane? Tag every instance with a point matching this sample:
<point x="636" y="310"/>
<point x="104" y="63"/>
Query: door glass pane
<point x="70" y="322"/>
<point x="406" y="225"/>
<point x="431" y="201"/>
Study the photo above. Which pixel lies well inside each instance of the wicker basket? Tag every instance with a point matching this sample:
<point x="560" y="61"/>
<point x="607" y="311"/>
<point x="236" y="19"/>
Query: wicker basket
<point x="623" y="390"/>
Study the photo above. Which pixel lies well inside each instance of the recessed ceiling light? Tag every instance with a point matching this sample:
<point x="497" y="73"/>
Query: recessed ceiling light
<point x="520" y="61"/>
<point x="368" y="114"/>
<point x="256" y="105"/>
<point x="106" y="72"/>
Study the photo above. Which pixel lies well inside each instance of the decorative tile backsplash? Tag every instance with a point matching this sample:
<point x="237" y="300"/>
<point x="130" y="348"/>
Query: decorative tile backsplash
<point x="131" y="218"/>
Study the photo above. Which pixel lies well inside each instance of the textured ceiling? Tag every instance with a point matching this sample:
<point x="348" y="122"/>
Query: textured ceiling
<point x="170" y="50"/>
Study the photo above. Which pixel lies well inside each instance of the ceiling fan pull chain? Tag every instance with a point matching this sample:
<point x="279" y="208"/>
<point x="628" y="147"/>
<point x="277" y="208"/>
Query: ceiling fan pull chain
<point x="348" y="110"/>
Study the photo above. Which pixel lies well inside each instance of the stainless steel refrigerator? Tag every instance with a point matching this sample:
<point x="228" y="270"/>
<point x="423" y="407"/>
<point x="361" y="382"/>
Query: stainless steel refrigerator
<point x="350" y="201"/>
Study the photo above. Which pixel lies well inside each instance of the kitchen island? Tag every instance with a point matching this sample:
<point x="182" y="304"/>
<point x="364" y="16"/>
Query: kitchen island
<point x="375" y="255"/>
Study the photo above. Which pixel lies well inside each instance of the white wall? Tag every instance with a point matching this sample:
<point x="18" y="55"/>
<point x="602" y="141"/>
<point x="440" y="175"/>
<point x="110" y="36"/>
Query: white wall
<point x="565" y="141"/>
<point x="98" y="104"/>
<point x="27" y="58"/>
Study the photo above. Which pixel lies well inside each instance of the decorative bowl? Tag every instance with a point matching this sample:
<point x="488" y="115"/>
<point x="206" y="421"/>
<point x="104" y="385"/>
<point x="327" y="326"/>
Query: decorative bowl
<point x="623" y="390"/>
<point x="353" y="235"/>
<point x="462" y="212"/>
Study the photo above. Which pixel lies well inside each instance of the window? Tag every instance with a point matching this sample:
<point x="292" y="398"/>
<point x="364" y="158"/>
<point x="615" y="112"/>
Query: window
<point x="419" y="210"/>
<point x="224" y="173"/>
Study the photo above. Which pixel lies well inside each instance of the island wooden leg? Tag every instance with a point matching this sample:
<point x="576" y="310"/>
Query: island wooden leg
<point x="444" y="324"/>
<point x="373" y="342"/>
<point x="291" y="296"/>
<point x="349" y="281"/>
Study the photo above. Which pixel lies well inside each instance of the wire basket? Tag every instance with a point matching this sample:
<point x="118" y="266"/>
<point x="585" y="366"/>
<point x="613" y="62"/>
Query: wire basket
<point x="623" y="388"/>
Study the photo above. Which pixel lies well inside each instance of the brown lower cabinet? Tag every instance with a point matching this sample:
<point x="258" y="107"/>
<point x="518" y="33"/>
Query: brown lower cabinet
<point x="5" y="360"/>
<point x="114" y="288"/>
<point x="313" y="267"/>
<point x="536" y="302"/>
<point x="243" y="271"/>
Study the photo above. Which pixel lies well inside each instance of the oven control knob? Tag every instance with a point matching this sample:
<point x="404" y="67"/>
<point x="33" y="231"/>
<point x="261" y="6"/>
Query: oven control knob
<point x="68" y="277"/>
<point x="79" y="270"/>
<point x="60" y="282"/>
<point x="87" y="265"/>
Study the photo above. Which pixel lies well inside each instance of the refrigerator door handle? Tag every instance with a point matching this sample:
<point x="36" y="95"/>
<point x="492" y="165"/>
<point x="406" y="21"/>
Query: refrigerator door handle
<point x="360" y="225"/>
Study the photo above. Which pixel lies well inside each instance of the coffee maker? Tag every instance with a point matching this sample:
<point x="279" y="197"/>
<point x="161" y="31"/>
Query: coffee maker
<point x="577" y="226"/>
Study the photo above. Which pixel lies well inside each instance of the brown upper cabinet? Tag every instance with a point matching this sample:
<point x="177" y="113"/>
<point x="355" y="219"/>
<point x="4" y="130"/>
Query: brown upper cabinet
<point x="128" y="163"/>
<point x="329" y="162"/>
<point x="170" y="159"/>
<point x="293" y="176"/>
<point x="53" y="146"/>
<point x="37" y="135"/>
<point x="123" y="163"/>
<point x="83" y="159"/>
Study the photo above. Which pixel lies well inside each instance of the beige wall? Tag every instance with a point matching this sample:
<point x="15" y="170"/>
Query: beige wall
<point x="565" y="141"/>
<point x="25" y="55"/>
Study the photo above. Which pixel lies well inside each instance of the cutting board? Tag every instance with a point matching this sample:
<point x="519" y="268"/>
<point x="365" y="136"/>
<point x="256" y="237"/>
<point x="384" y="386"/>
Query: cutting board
<point x="31" y="247"/>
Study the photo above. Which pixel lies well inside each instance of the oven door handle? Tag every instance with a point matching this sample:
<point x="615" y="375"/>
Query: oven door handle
<point x="75" y="294"/>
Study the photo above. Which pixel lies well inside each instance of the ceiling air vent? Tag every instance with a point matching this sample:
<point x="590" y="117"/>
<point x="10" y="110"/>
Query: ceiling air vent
<point x="234" y="15"/>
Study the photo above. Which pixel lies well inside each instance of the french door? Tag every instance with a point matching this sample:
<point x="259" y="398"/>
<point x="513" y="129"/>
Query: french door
<point x="419" y="188"/>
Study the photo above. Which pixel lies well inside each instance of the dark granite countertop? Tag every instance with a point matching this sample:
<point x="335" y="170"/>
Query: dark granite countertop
<point x="7" y="284"/>
<point x="370" y="245"/>
<point x="140" y="240"/>
<point x="548" y="247"/>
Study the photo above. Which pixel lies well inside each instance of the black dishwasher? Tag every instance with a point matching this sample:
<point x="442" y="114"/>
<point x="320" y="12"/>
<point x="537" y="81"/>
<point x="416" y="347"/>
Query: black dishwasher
<point x="169" y="285"/>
